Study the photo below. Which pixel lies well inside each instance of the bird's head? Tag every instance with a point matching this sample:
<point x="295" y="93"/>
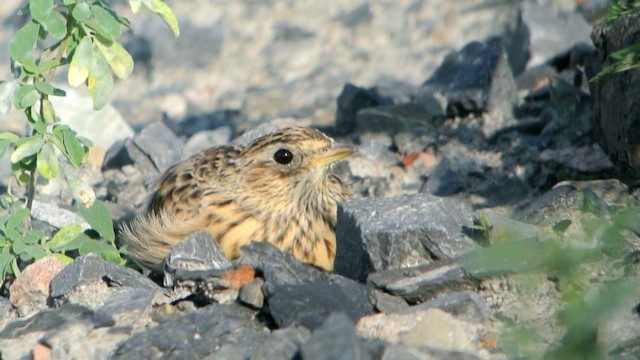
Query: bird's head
<point x="292" y="163"/>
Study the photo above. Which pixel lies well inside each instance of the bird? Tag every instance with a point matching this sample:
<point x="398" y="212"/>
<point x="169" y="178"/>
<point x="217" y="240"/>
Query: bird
<point x="279" y="188"/>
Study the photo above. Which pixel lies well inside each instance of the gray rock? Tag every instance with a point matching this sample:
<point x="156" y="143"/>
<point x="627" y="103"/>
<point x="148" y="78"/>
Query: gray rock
<point x="56" y="216"/>
<point x="282" y="344"/>
<point x="390" y="233"/>
<point x="424" y="282"/>
<point x="616" y="113"/>
<point x="336" y="340"/>
<point x="443" y="180"/>
<point x="92" y="269"/>
<point x="277" y="267"/>
<point x="127" y="307"/>
<point x="251" y="294"/>
<point x="7" y="312"/>
<point x="159" y="144"/>
<point x="310" y="304"/>
<point x="19" y="337"/>
<point x="394" y="119"/>
<point x="552" y="206"/>
<point x="215" y="330"/>
<point x="476" y="79"/>
<point x="464" y="305"/>
<point x="387" y="303"/>
<point x="206" y="139"/>
<point x="351" y="100"/>
<point x="361" y="14"/>
<point x="198" y="252"/>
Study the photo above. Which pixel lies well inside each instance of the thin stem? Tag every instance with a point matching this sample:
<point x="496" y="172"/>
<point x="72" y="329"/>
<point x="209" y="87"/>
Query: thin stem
<point x="31" y="189"/>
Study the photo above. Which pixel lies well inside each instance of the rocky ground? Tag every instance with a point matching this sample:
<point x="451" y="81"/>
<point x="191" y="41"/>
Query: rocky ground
<point x="475" y="125"/>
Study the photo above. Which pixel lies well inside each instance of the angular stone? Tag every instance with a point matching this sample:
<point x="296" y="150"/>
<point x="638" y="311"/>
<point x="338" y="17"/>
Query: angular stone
<point x="476" y="79"/>
<point x="387" y="303"/>
<point x="617" y="115"/>
<point x="464" y="305"/>
<point x="310" y="304"/>
<point x="351" y="100"/>
<point x="91" y="270"/>
<point x="394" y="119"/>
<point x="282" y="344"/>
<point x="336" y="340"/>
<point x="198" y="252"/>
<point x="424" y="282"/>
<point x="127" y="307"/>
<point x="7" y="312"/>
<point x="278" y="267"/>
<point x="251" y="294"/>
<point x="56" y="216"/>
<point x="209" y="331"/>
<point x="390" y="233"/>
<point x="30" y="291"/>
<point x="159" y="144"/>
<point x="443" y="180"/>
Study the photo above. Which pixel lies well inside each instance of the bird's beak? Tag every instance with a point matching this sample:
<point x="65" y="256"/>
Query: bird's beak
<point x="334" y="153"/>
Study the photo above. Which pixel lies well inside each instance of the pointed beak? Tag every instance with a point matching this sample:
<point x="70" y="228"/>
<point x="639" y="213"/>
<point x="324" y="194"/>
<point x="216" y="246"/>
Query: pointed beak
<point x="334" y="153"/>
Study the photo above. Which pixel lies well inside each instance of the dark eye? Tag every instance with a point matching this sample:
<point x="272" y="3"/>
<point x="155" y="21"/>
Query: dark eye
<point x="283" y="156"/>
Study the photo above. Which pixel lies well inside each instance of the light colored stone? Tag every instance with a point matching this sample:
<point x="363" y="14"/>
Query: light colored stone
<point x="30" y="291"/>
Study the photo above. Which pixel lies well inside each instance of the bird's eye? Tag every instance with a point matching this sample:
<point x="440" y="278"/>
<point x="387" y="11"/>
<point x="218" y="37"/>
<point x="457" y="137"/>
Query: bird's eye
<point x="283" y="156"/>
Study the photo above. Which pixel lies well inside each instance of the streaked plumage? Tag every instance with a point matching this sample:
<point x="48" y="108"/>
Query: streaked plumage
<point x="244" y="193"/>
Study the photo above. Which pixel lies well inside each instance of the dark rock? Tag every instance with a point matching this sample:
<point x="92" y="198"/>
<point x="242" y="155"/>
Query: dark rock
<point x="393" y="119"/>
<point x="126" y="306"/>
<point x="282" y="344"/>
<point x="387" y="303"/>
<point x="196" y="123"/>
<point x="117" y="156"/>
<point x="502" y="190"/>
<point x="476" y="79"/>
<point x="251" y="294"/>
<point x="464" y="305"/>
<point x="389" y="233"/>
<point x="278" y="267"/>
<point x="198" y="252"/>
<point x="617" y="116"/>
<point x="553" y="206"/>
<point x="210" y="331"/>
<point x="424" y="282"/>
<point x="207" y="139"/>
<point x="159" y="144"/>
<point x="336" y="340"/>
<point x="351" y="100"/>
<point x="443" y="181"/>
<point x="310" y="304"/>
<point x="91" y="268"/>
<point x="285" y="31"/>
<point x="19" y="337"/>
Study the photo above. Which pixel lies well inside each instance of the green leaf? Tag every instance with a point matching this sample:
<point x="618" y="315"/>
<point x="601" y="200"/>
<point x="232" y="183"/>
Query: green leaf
<point x="11" y="137"/>
<point x="107" y="21"/>
<point x="48" y="65"/>
<point x="65" y="236"/>
<point x="17" y="218"/>
<point x="165" y="12"/>
<point x="35" y="252"/>
<point x="36" y="121"/>
<point x="26" y="148"/>
<point x="81" y="11"/>
<point x="48" y="113"/>
<point x="24" y="41"/>
<point x="80" y="62"/>
<point x="5" y="261"/>
<point x="68" y="2"/>
<point x="97" y="215"/>
<point x="25" y="96"/>
<point x="73" y="148"/>
<point x="94" y="246"/>
<point x="32" y="237"/>
<point x="41" y="9"/>
<point x="19" y="247"/>
<point x="47" y="162"/>
<point x="117" y="57"/>
<point x="29" y="66"/>
<point x="100" y="89"/>
<point x="56" y="25"/>
<point x="44" y="87"/>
